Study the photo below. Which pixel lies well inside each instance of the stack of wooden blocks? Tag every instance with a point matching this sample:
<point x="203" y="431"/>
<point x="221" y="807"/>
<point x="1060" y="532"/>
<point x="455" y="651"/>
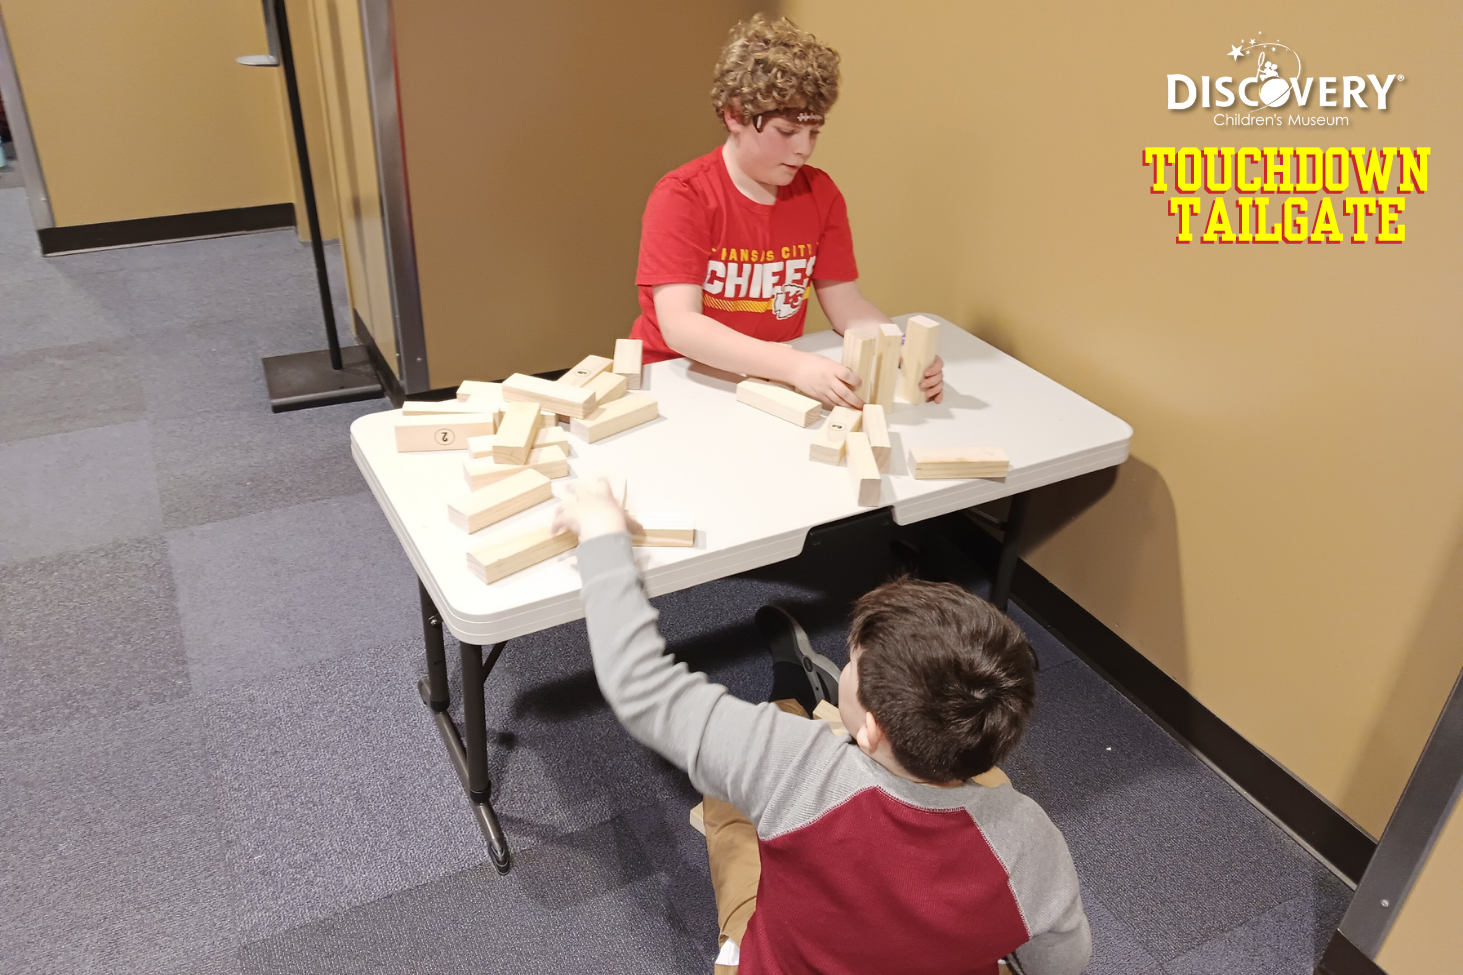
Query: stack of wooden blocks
<point x="516" y="447"/>
<point x="887" y="362"/>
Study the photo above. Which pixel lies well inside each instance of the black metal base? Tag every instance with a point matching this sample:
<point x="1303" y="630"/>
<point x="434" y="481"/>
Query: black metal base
<point x="305" y="379"/>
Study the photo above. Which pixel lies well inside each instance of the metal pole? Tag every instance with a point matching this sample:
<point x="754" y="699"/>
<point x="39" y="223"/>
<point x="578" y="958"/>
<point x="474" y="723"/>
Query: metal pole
<point x="307" y="180"/>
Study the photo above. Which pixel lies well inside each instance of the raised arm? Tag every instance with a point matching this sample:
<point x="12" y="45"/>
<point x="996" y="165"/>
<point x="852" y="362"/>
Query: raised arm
<point x="731" y="749"/>
<point x="700" y="337"/>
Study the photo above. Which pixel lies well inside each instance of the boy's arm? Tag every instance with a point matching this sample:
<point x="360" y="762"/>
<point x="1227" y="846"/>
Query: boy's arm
<point x="732" y="749"/>
<point x="704" y="339"/>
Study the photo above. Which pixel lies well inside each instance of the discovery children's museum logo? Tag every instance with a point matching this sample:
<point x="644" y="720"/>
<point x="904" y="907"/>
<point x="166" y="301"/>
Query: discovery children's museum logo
<point x="1270" y="78"/>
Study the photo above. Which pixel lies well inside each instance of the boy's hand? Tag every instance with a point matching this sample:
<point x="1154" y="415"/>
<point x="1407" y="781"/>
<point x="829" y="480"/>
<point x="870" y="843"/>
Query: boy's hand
<point x="826" y="381"/>
<point x="933" y="382"/>
<point x="592" y="511"/>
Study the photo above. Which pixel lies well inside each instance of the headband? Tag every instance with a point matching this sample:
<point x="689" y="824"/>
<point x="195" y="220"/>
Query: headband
<point x="801" y="116"/>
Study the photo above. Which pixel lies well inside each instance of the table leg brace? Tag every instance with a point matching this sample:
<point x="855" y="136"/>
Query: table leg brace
<point x="469" y="752"/>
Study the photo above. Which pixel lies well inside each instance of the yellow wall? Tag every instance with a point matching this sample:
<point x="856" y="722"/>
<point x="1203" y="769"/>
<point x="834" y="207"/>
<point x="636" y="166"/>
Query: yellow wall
<point x="1427" y="938"/>
<point x="138" y="109"/>
<point x="310" y="77"/>
<point x="534" y="133"/>
<point x="1286" y="540"/>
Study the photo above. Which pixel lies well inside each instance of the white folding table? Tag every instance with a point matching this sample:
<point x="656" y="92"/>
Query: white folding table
<point x="742" y="475"/>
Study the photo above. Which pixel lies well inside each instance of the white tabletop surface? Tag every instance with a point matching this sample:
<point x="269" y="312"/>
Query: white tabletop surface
<point x="743" y="475"/>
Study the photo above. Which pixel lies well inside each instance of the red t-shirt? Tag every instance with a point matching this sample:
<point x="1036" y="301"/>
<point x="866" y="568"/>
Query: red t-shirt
<point x="754" y="261"/>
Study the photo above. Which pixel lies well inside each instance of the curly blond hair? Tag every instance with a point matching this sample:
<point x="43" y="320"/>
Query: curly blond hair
<point x="768" y="65"/>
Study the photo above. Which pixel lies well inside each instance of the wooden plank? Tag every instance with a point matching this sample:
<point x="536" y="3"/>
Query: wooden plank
<point x="439" y="432"/>
<point x="497" y="501"/>
<point x="553" y="397"/>
<point x="622" y="414"/>
<point x="551" y="462"/>
<point x="828" y="446"/>
<point x="548" y="436"/>
<point x="698" y="818"/>
<point x="446" y="407"/>
<point x="781" y="403"/>
<point x="860" y="354"/>
<point x="887" y="354"/>
<point x="876" y="425"/>
<point x="471" y="387"/>
<point x="607" y="387"/>
<point x="506" y="556"/>
<point x="921" y="336"/>
<point x="628" y="356"/>
<point x="588" y="368"/>
<point x="517" y="432"/>
<point x="863" y="471"/>
<point x="931" y="463"/>
<point x="829" y="713"/>
<point x="659" y="530"/>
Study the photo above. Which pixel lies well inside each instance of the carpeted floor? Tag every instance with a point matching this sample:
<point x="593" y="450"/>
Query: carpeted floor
<point x="214" y="759"/>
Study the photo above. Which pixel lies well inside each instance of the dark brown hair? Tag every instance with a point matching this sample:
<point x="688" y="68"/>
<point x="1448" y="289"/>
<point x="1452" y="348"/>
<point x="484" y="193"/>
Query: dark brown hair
<point x="947" y="675"/>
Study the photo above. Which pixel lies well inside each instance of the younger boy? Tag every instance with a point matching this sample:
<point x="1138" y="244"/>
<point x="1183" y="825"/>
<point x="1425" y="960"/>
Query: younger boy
<point x="875" y="853"/>
<point x="730" y="242"/>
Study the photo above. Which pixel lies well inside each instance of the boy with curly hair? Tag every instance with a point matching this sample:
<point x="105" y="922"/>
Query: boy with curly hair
<point x="730" y="242"/>
<point x="897" y="849"/>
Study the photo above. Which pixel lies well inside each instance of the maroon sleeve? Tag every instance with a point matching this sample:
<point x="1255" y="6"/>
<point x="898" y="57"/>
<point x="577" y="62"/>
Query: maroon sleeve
<point x="835" y="247"/>
<point x="675" y="236"/>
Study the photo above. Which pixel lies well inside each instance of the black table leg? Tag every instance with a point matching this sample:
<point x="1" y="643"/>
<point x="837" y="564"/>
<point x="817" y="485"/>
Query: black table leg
<point x="1011" y="538"/>
<point x="469" y="758"/>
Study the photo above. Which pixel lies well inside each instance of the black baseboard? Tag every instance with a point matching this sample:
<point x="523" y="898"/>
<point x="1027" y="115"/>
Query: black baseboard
<point x="1341" y="842"/>
<point x="1344" y="958"/>
<point x="178" y="226"/>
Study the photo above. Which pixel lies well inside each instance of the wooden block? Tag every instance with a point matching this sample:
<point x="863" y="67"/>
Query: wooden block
<point x="860" y="354"/>
<point x="553" y="397"/>
<point x="497" y="501"/>
<point x="929" y="463"/>
<point x="887" y="353"/>
<point x="622" y="414"/>
<point x="628" y="355"/>
<point x="655" y="530"/>
<point x="471" y="387"/>
<point x="829" y="713"/>
<point x="589" y="367"/>
<point x="440" y="432"/>
<point x="698" y="818"/>
<point x="921" y="336"/>
<point x="863" y="471"/>
<point x="828" y="447"/>
<point x="551" y="462"/>
<point x="876" y="425"/>
<point x="548" y="436"/>
<point x="446" y="407"/>
<point x="506" y="556"/>
<point x="782" y="403"/>
<point x="607" y="387"/>
<point x="517" y="432"/>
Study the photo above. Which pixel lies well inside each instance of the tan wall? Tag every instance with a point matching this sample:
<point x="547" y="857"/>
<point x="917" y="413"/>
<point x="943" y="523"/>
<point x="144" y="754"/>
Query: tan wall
<point x="138" y="109"/>
<point x="534" y="133"/>
<point x="1286" y="540"/>
<point x="1427" y="938"/>
<point x="310" y="77"/>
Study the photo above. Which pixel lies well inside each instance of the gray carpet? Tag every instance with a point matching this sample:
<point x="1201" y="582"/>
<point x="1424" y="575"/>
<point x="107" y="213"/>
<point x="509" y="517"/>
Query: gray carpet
<point x="214" y="759"/>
